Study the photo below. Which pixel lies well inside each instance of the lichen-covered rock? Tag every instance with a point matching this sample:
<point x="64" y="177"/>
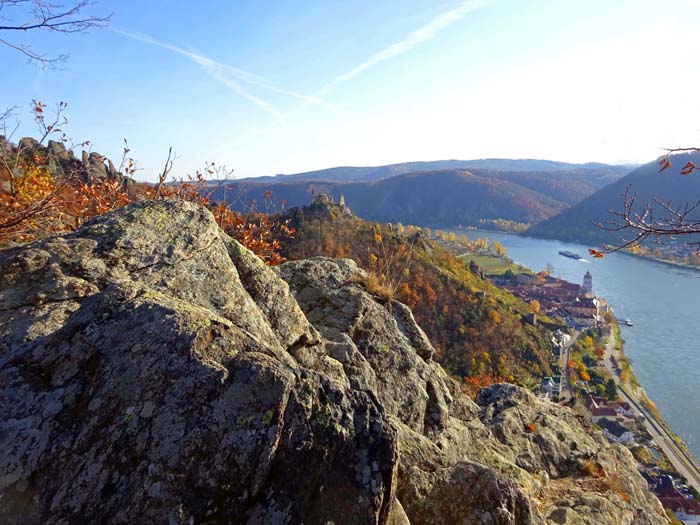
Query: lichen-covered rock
<point x="153" y="370"/>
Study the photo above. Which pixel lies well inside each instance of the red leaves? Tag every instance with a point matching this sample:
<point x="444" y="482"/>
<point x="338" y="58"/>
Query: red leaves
<point x="595" y="253"/>
<point x="688" y="168"/>
<point x="665" y="163"/>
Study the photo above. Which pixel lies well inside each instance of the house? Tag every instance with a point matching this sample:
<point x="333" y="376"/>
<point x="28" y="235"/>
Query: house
<point x="526" y="278"/>
<point x="689" y="507"/>
<point x="622" y="408"/>
<point x="614" y="363"/>
<point x="615" y="432"/>
<point x="595" y="402"/>
<point x="550" y="385"/>
<point x="665" y="488"/>
<point x="583" y="322"/>
<point x="603" y="306"/>
<point x="583" y="307"/>
<point x="599" y="414"/>
<point x="688" y="519"/>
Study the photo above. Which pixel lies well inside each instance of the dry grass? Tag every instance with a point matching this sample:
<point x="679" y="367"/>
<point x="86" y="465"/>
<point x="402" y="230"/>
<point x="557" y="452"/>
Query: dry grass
<point x="616" y="485"/>
<point x="378" y="285"/>
<point x="592" y="469"/>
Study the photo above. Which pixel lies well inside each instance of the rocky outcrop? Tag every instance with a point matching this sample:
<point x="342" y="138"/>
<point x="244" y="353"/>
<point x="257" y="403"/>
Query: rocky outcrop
<point x="59" y="160"/>
<point x="153" y="370"/>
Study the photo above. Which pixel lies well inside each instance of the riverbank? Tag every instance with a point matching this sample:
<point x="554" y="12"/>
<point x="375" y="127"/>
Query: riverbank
<point x="672" y="447"/>
<point x="661" y="260"/>
<point x="631" y="384"/>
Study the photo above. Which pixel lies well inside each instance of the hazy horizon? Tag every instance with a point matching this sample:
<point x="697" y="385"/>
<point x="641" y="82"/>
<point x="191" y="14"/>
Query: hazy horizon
<point x="294" y="87"/>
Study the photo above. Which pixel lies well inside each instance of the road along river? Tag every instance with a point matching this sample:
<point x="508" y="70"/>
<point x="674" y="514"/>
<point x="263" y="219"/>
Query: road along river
<point x="662" y="301"/>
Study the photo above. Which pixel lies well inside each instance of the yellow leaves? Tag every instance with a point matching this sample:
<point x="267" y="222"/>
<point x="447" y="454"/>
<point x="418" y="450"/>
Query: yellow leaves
<point x="35" y="185"/>
<point x="494" y="316"/>
<point x="373" y="260"/>
<point x="377" y="238"/>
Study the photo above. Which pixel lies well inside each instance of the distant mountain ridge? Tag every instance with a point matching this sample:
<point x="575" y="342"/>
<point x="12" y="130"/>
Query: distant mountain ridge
<point x="435" y="197"/>
<point x="366" y="173"/>
<point x="646" y="182"/>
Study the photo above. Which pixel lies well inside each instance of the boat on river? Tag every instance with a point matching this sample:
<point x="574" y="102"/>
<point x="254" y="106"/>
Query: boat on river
<point x="571" y="255"/>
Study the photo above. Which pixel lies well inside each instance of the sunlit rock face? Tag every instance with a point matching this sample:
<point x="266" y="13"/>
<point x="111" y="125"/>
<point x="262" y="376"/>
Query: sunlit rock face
<point x="153" y="370"/>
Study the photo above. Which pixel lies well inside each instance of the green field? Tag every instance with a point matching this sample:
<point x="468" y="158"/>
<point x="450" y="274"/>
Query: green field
<point x="494" y="265"/>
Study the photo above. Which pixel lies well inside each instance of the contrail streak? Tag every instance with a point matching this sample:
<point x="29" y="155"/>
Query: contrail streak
<point x="423" y="34"/>
<point x="216" y="70"/>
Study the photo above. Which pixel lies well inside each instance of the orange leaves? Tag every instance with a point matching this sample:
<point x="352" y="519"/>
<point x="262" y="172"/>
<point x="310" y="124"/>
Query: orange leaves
<point x="595" y="253"/>
<point x="259" y="233"/>
<point x="256" y="231"/>
<point x="665" y="163"/>
<point x="38" y="107"/>
<point x="96" y="198"/>
<point x="39" y="203"/>
<point x="688" y="168"/>
<point x="472" y="384"/>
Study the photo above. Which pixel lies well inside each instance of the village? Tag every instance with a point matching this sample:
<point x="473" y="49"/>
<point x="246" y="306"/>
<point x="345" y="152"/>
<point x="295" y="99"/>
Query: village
<point x="556" y="297"/>
<point x="581" y="382"/>
<point x="594" y="377"/>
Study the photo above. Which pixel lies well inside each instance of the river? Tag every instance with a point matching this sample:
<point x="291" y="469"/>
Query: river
<point x="661" y="300"/>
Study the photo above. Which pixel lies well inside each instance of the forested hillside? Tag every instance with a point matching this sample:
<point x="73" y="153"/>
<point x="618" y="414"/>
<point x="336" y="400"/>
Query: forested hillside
<point x="599" y="174"/>
<point x="446" y="197"/>
<point x="646" y="184"/>
<point x="478" y="330"/>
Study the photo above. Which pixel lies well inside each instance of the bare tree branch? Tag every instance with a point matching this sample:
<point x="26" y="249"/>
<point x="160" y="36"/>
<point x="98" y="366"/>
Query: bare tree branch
<point x="21" y="16"/>
<point x="672" y="221"/>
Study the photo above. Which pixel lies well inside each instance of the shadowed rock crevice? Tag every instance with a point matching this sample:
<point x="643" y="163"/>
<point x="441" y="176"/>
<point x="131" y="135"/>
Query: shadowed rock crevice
<point x="154" y="370"/>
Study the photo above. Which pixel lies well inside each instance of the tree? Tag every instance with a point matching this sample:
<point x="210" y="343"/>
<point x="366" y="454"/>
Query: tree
<point x="611" y="390"/>
<point x="674" y="220"/>
<point x="535" y="306"/>
<point x="22" y="16"/>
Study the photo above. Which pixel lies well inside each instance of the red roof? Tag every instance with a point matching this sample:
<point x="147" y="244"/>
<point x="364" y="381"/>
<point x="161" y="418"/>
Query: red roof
<point x="679" y="504"/>
<point x="603" y="412"/>
<point x="570" y="286"/>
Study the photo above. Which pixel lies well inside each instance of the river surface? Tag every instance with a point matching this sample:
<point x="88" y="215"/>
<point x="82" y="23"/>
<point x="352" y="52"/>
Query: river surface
<point x="663" y="302"/>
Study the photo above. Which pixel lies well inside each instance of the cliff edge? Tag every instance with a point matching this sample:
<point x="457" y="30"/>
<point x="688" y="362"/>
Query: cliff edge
<point x="153" y="370"/>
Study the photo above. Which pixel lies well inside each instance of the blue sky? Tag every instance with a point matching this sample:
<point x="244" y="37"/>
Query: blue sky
<point x="281" y="87"/>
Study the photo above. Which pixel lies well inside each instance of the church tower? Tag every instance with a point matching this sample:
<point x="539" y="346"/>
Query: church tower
<point x="587" y="287"/>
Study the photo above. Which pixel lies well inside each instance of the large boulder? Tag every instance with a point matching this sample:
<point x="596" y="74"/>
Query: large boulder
<point x="153" y="370"/>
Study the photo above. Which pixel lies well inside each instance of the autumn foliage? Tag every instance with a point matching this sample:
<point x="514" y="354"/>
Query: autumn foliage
<point x="479" y="332"/>
<point x="472" y="384"/>
<point x="45" y="190"/>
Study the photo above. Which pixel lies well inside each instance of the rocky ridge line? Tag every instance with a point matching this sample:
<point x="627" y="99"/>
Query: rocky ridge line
<point x="154" y="370"/>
